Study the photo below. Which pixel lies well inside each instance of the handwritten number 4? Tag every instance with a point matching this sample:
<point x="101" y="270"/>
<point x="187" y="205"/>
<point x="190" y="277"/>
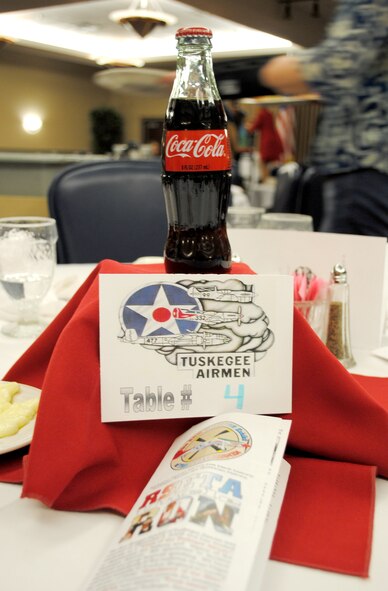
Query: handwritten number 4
<point x="239" y="397"/>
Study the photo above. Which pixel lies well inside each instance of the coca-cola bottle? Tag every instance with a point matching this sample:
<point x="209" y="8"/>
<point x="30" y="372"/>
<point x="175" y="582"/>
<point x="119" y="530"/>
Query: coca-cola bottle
<point x="196" y="161"/>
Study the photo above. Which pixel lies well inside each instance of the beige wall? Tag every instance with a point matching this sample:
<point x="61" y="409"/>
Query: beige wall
<point x="14" y="205"/>
<point x="64" y="94"/>
<point x="65" y="98"/>
<point x="136" y="108"/>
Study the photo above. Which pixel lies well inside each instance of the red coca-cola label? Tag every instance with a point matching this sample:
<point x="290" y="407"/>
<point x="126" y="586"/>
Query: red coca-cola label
<point x="197" y="151"/>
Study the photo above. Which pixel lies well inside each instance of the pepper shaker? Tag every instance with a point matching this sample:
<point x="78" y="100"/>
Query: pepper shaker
<point x="338" y="333"/>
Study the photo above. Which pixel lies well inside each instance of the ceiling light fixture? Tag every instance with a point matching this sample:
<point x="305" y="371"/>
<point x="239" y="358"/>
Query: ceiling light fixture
<point x="143" y="16"/>
<point x="117" y="62"/>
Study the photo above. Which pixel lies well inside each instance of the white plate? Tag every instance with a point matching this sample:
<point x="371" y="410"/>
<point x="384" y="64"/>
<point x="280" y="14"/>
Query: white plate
<point x="24" y="435"/>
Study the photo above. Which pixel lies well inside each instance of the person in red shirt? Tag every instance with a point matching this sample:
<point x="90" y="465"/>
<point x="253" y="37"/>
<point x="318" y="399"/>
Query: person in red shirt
<point x="269" y="143"/>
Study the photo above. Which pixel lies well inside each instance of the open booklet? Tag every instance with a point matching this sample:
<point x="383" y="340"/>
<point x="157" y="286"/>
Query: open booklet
<point x="206" y="519"/>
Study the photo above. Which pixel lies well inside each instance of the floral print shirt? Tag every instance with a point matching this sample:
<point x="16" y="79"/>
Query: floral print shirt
<point x="349" y="70"/>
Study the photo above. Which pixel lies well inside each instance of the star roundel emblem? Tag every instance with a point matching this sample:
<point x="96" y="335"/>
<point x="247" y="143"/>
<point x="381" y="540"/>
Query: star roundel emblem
<point x="160" y="309"/>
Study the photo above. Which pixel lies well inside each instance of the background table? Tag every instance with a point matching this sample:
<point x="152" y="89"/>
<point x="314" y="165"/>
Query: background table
<point x="43" y="549"/>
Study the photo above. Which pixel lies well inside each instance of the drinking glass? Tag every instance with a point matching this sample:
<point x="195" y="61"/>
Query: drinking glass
<point x="27" y="264"/>
<point x="316" y="313"/>
<point x="286" y="221"/>
<point x="244" y="217"/>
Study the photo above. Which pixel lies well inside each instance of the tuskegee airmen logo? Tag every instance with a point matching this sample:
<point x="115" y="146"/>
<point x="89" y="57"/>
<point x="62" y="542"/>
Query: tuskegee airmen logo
<point x="192" y="317"/>
<point x="223" y="441"/>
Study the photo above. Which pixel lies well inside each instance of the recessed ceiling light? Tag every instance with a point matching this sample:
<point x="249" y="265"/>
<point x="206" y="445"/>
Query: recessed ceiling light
<point x="53" y="36"/>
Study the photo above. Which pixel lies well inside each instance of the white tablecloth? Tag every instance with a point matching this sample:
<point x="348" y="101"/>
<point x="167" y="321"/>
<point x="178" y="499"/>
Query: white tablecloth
<point x="42" y="549"/>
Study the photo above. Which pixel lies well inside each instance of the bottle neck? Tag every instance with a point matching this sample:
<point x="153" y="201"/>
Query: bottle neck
<point x="194" y="73"/>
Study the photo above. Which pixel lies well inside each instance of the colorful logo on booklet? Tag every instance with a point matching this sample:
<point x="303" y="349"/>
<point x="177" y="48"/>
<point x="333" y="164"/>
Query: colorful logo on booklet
<point x="189" y="322"/>
<point x="222" y="441"/>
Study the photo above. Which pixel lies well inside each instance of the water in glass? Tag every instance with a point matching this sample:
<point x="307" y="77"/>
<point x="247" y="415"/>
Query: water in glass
<point x="27" y="263"/>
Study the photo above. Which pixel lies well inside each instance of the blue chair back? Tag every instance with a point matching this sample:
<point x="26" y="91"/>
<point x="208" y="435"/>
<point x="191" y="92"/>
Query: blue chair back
<point x="109" y="209"/>
<point x="299" y="189"/>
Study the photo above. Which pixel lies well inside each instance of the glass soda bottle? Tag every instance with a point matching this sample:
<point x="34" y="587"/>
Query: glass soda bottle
<point x="196" y="161"/>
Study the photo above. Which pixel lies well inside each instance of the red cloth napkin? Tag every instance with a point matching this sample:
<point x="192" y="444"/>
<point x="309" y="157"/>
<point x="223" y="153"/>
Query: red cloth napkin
<point x="77" y="463"/>
<point x="11" y="466"/>
<point x="305" y="534"/>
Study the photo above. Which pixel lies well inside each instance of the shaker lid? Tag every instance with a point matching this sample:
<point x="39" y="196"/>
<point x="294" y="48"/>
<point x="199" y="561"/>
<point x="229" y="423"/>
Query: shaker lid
<point x="193" y="32"/>
<point x="339" y="274"/>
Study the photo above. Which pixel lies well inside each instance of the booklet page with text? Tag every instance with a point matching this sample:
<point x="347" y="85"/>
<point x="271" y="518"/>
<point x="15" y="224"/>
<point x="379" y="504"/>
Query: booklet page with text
<point x="206" y="519"/>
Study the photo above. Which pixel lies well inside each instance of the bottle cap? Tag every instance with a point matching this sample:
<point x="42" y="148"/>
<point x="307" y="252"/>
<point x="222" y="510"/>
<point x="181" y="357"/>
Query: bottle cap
<point x="193" y="32"/>
<point x="339" y="274"/>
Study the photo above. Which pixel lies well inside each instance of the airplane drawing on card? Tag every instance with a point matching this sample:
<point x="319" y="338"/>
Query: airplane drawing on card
<point x="195" y="316"/>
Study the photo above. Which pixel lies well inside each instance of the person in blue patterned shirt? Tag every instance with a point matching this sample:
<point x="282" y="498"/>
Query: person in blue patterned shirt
<point x="349" y="70"/>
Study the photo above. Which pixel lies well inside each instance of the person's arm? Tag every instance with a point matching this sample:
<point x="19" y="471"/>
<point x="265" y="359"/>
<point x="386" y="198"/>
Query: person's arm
<point x="353" y="41"/>
<point x="284" y="75"/>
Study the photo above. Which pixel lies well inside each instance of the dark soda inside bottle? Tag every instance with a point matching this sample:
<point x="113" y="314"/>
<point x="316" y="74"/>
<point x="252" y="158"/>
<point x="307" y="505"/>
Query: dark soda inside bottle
<point x="196" y="202"/>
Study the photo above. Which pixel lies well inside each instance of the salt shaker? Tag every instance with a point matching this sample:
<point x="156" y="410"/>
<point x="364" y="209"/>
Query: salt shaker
<point x="338" y="333"/>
